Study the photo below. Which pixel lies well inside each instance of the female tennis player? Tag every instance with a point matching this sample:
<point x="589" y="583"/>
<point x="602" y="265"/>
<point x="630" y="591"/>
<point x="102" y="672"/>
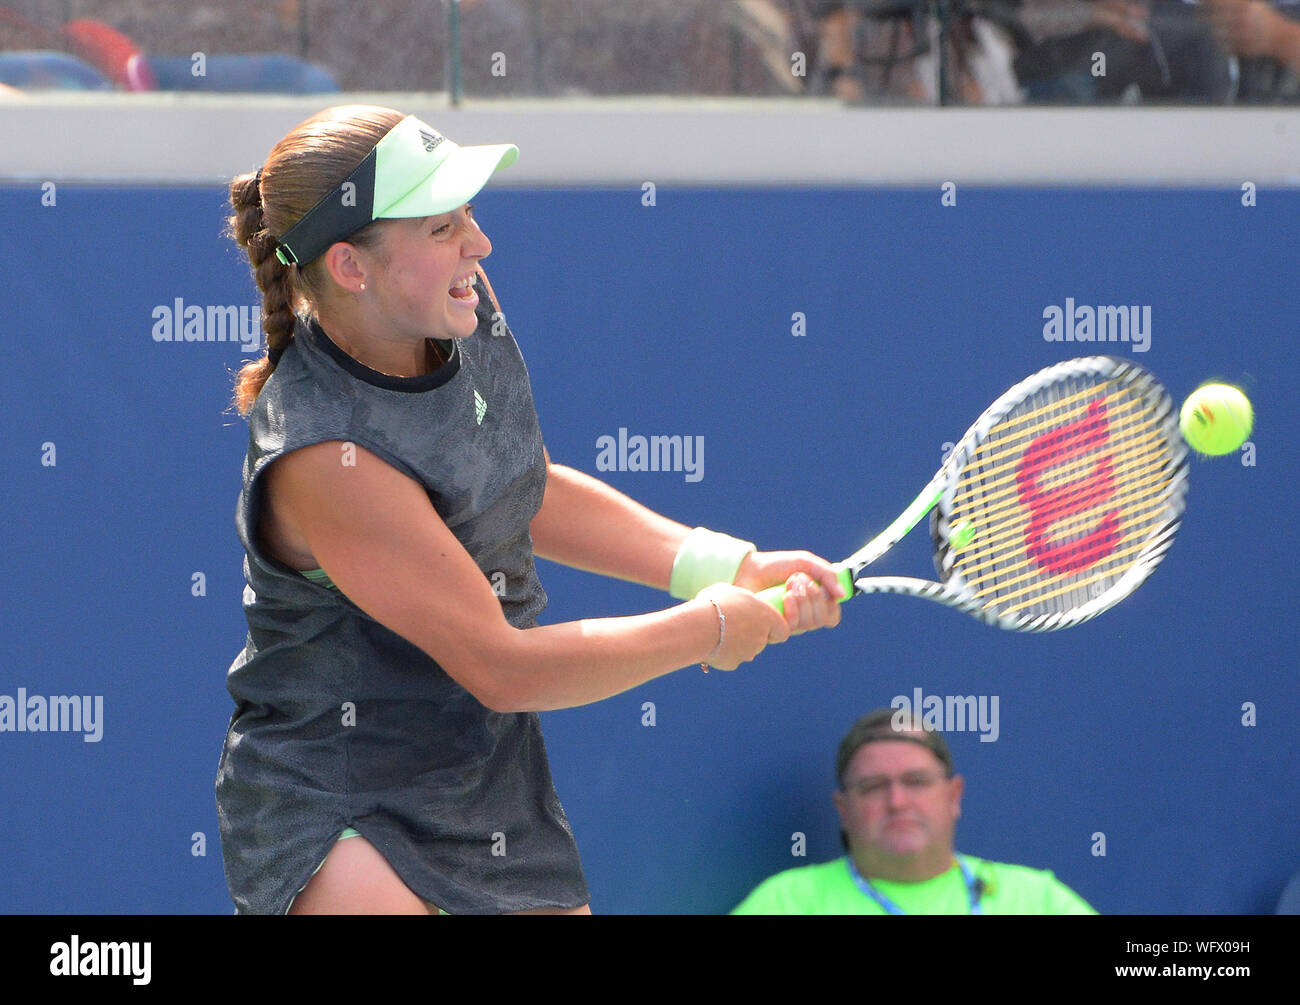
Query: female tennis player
<point x="384" y="755"/>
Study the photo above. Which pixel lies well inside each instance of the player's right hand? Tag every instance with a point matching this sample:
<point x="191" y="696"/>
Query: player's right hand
<point x="751" y="625"/>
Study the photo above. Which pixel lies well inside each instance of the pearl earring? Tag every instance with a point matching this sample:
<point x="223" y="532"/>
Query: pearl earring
<point x="363" y="287"/>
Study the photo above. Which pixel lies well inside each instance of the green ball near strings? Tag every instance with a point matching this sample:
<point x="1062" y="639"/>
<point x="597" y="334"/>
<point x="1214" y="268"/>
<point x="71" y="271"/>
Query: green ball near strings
<point x="1216" y="419"/>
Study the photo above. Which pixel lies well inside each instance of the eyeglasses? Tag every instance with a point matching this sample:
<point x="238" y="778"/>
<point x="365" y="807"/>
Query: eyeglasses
<point x="876" y="786"/>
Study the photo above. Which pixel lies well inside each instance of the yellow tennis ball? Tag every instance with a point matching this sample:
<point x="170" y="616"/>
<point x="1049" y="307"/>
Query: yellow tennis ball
<point x="1216" y="419"/>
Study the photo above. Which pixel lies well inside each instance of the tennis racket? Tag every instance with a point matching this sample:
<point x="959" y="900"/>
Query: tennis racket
<point x="1056" y="504"/>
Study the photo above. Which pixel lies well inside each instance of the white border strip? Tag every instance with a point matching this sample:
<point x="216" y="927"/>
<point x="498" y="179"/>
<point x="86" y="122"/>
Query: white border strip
<point x="206" y="139"/>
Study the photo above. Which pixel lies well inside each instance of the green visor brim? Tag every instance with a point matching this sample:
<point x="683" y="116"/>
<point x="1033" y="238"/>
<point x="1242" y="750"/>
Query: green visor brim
<point x="456" y="181"/>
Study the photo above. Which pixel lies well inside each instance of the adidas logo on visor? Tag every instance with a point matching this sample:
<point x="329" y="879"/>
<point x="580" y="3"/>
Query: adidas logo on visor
<point x="431" y="140"/>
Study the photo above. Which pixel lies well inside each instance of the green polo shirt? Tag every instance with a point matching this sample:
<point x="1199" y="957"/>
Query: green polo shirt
<point x="829" y="889"/>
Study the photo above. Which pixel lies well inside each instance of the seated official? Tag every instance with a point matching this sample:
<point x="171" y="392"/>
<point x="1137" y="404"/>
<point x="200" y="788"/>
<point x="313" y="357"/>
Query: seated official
<point x="898" y="802"/>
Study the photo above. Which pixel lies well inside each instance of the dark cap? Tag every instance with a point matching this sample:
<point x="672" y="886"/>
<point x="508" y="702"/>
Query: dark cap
<point x="880" y="725"/>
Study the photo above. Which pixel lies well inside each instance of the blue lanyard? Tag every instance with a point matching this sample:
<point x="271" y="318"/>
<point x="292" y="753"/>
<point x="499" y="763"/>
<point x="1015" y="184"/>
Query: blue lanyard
<point x="973" y="887"/>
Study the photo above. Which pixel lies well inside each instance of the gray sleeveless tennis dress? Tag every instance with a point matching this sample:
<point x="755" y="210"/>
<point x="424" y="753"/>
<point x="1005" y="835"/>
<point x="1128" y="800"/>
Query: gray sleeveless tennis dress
<point x="339" y="722"/>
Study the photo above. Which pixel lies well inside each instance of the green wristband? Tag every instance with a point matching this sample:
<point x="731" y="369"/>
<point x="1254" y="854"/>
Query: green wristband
<point x="706" y="557"/>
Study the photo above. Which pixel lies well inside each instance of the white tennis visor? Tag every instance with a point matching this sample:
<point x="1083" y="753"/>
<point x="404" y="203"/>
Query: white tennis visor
<point x="413" y="171"/>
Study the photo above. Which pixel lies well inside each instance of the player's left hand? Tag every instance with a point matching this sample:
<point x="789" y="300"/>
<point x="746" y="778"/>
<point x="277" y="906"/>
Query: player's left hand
<point x="813" y="590"/>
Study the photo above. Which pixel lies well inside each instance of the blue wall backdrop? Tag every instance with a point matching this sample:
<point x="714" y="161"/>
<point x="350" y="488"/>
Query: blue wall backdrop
<point x="676" y="319"/>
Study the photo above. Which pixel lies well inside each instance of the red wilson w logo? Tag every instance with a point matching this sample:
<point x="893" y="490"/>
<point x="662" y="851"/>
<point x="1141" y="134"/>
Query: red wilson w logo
<point x="1048" y="507"/>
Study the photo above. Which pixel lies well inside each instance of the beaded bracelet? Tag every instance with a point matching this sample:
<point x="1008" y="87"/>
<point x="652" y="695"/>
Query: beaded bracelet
<point x="722" y="633"/>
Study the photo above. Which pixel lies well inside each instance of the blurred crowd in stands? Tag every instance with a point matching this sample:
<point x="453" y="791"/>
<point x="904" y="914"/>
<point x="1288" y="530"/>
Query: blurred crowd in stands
<point x="873" y="52"/>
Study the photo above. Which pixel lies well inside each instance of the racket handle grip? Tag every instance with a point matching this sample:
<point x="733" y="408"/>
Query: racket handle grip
<point x="775" y="595"/>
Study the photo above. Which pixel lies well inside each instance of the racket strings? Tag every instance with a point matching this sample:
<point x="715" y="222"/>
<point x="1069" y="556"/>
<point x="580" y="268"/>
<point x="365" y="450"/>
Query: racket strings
<point x="1143" y="507"/>
<point x="1134" y="499"/>
<point x="1104" y="575"/>
<point x="1046" y="414"/>
<point x="1095" y="546"/>
<point x="1000" y="509"/>
<point x="1008" y="594"/>
<point x="1134" y="452"/>
<point x="1065" y="494"/>
<point x="1117" y="406"/>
